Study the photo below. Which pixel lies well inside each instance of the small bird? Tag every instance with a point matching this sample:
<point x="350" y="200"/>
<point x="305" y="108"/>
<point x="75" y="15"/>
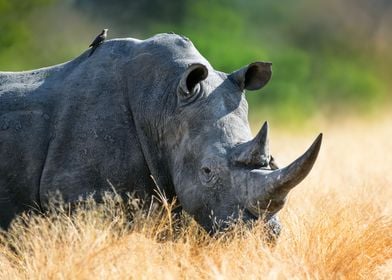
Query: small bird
<point x="98" y="40"/>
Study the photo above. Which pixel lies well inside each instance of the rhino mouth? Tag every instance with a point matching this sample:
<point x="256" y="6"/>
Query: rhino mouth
<point x="270" y="222"/>
<point x="249" y="215"/>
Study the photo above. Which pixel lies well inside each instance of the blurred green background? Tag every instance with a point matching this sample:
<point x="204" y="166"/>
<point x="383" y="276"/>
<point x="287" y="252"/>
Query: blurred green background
<point x="330" y="58"/>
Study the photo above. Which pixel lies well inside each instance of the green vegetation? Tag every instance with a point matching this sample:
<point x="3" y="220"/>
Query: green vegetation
<point x="328" y="57"/>
<point x="16" y="39"/>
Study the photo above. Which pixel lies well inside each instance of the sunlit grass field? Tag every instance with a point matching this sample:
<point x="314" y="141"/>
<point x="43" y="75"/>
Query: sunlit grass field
<point x="337" y="224"/>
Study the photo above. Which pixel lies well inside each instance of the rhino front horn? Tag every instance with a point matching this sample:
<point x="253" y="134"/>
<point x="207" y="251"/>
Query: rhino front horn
<point x="268" y="189"/>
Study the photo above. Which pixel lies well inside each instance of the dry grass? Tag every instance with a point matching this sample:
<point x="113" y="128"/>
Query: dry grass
<point x="337" y="225"/>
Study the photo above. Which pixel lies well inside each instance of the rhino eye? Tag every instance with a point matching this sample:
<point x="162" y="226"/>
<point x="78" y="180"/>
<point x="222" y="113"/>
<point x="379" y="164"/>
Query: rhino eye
<point x="207" y="176"/>
<point x="206" y="170"/>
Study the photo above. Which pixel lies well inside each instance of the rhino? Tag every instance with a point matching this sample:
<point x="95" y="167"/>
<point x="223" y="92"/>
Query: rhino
<point x="142" y="115"/>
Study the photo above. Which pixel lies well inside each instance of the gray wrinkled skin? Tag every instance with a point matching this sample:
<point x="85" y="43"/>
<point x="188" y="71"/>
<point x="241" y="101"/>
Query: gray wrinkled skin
<point x="134" y="109"/>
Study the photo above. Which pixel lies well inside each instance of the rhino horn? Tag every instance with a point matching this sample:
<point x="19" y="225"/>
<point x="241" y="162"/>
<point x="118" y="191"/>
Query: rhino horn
<point x="267" y="189"/>
<point x="256" y="151"/>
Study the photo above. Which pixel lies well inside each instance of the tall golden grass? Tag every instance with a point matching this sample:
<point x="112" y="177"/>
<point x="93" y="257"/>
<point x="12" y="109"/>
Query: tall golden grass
<point x="336" y="225"/>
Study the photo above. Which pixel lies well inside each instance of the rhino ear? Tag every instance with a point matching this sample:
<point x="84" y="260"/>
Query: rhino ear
<point x="252" y="77"/>
<point x="190" y="80"/>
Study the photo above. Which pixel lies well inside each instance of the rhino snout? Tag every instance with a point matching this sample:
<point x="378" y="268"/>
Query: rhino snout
<point x="267" y="189"/>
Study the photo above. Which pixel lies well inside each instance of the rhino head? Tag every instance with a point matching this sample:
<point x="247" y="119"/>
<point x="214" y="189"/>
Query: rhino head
<point x="219" y="172"/>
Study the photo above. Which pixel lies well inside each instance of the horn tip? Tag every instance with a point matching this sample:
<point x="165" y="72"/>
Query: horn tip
<point x="262" y="135"/>
<point x="319" y="139"/>
<point x="316" y="145"/>
<point x="265" y="125"/>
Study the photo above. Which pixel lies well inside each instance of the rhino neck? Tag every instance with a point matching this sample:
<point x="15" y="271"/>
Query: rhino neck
<point x="147" y="114"/>
<point x="155" y="155"/>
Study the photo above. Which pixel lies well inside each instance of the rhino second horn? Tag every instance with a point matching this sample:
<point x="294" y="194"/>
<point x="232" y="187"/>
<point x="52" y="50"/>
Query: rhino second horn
<point x="268" y="189"/>
<point x="256" y="151"/>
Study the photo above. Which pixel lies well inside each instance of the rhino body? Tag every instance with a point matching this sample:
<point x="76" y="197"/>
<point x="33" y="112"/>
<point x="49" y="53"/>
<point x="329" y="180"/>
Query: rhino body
<point x="134" y="111"/>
